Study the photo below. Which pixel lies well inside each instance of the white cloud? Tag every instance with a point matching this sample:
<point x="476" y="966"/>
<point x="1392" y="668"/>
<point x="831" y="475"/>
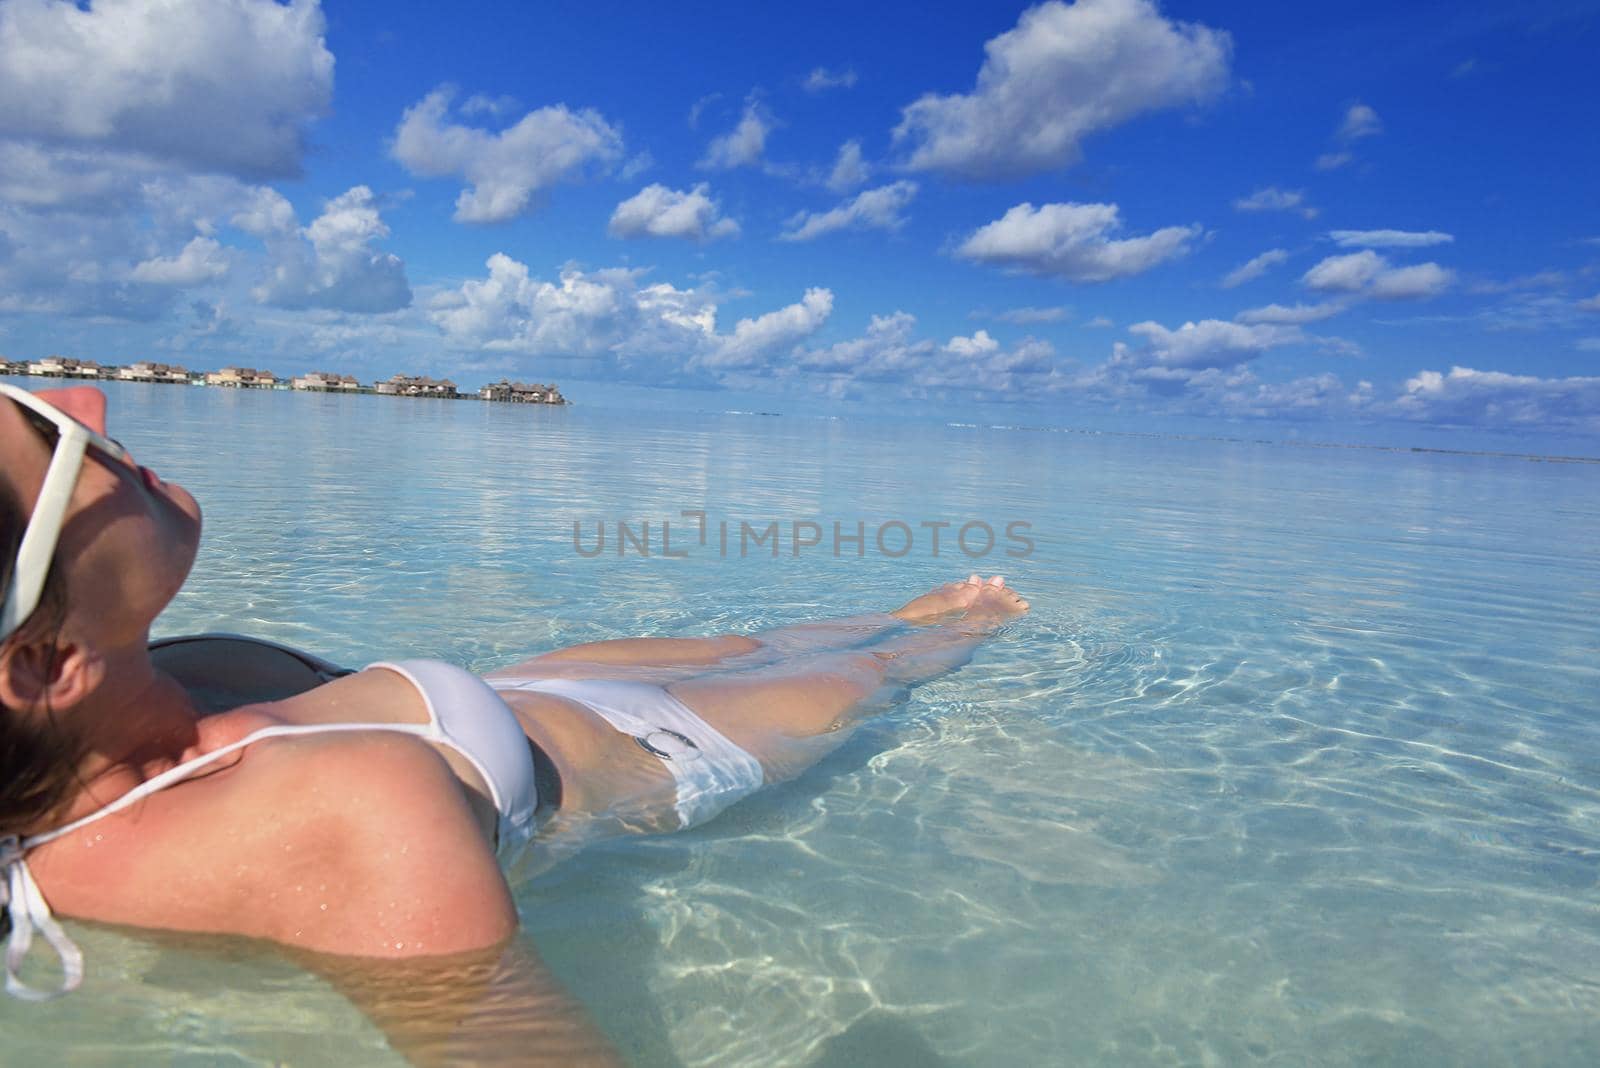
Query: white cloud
<point x="1236" y="393"/>
<point x="849" y="169"/>
<point x="613" y="314"/>
<point x="886" y="351"/>
<point x="775" y="334"/>
<point x="1389" y="238"/>
<point x="603" y="313"/>
<point x="191" y="84"/>
<point x="1072" y="241"/>
<point x="1203" y="369"/>
<point x="1312" y="396"/>
<point x="264" y="213"/>
<point x="874" y="209"/>
<point x="743" y="145"/>
<point x="1293" y="315"/>
<point x="656" y="211"/>
<point x="1591" y="304"/>
<point x="1210" y="342"/>
<point x="1345" y="274"/>
<point x="1025" y="316"/>
<point x="889" y="351"/>
<point x="33" y="178"/>
<point x="822" y="79"/>
<point x="1419" y="282"/>
<point x="1369" y="274"/>
<point x="1274" y="199"/>
<point x="483" y="104"/>
<point x="1359" y="121"/>
<point x="77" y="251"/>
<point x="637" y="164"/>
<point x="1254" y="268"/>
<point x="123" y="128"/>
<point x="1548" y="279"/>
<point x="331" y="263"/>
<point x="698" y="108"/>
<point x="201" y="260"/>
<point x="1100" y="322"/>
<point x="1493" y="398"/>
<point x="1064" y="72"/>
<point x="504" y="170"/>
<point x="974" y="347"/>
<point x="1025" y="370"/>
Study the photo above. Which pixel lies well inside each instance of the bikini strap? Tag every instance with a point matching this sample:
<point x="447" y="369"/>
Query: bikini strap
<point x="20" y="896"/>
<point x="28" y="910"/>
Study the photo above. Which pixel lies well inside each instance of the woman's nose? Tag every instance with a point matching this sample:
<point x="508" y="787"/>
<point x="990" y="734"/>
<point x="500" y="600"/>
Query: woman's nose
<point x="86" y="404"/>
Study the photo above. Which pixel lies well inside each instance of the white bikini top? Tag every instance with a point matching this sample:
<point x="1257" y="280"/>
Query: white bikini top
<point x="464" y="713"/>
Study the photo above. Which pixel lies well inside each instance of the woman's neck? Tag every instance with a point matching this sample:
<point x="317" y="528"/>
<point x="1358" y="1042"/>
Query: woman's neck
<point x="137" y="724"/>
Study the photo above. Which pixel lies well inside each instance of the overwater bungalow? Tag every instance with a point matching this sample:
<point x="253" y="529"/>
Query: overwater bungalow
<point x="67" y="367"/>
<point x="148" y="371"/>
<point x="242" y="378"/>
<point x="417" y="386"/>
<point x="325" y="382"/>
<point x="521" y="393"/>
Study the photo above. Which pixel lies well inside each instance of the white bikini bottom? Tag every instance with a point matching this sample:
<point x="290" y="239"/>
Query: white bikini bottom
<point x="711" y="771"/>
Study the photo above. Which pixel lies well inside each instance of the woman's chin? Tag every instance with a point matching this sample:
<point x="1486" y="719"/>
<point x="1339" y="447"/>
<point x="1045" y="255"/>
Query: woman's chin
<point x="183" y="500"/>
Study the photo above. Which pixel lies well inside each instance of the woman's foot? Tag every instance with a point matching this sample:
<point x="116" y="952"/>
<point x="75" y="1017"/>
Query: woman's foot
<point x="995" y="603"/>
<point x="948" y="600"/>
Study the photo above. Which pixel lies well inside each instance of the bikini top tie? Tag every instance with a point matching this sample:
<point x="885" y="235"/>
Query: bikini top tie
<point x="20" y="895"/>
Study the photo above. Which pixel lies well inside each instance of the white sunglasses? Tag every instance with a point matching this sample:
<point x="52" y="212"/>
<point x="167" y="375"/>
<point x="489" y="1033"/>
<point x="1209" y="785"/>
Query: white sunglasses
<point x="70" y="439"/>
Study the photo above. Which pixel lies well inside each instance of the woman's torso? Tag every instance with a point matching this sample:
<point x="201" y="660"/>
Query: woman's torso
<point x="81" y="873"/>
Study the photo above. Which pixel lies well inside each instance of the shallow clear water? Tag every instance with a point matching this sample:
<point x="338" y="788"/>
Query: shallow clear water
<point x="1294" y="762"/>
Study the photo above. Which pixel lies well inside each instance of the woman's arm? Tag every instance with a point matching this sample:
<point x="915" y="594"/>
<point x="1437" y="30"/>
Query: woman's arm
<point x="624" y="656"/>
<point x="420" y="930"/>
<point x="360" y="855"/>
<point x="649" y="652"/>
<point x="492" y="1007"/>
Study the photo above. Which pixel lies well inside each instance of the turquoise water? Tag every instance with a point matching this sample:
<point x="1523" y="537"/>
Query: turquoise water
<point x="1294" y="762"/>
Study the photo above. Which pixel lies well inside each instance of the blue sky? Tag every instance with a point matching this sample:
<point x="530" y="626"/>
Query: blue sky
<point x="1355" y="223"/>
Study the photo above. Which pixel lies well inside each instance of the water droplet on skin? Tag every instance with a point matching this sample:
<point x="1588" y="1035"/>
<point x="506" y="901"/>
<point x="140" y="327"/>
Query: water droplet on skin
<point x="323" y="906"/>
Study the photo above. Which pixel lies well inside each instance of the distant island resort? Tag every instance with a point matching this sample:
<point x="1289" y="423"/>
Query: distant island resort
<point x="251" y="378"/>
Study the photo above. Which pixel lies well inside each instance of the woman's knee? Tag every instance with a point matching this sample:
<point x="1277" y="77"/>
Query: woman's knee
<point x="736" y="645"/>
<point x="867" y="669"/>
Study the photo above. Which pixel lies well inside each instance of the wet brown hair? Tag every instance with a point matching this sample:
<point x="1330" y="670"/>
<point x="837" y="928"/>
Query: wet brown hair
<point x="39" y="758"/>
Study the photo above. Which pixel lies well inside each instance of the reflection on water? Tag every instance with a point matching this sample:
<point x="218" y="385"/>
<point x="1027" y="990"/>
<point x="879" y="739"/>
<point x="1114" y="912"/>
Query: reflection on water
<point x="1293" y="763"/>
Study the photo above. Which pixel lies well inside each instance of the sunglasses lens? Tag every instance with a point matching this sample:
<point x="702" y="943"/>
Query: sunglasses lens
<point x="50" y="431"/>
<point x="44" y="427"/>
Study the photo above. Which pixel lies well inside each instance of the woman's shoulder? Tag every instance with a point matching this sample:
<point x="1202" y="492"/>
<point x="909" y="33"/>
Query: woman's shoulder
<point x="225" y="670"/>
<point x="352" y="842"/>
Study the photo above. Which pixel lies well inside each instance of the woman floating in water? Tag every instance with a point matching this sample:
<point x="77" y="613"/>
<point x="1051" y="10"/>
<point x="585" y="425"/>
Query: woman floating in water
<point x="360" y="819"/>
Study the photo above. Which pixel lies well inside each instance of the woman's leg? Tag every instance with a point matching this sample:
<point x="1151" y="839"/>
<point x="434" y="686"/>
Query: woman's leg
<point x="786" y="715"/>
<point x="790" y="715"/>
<point x="943" y="603"/>
<point x="601" y="659"/>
